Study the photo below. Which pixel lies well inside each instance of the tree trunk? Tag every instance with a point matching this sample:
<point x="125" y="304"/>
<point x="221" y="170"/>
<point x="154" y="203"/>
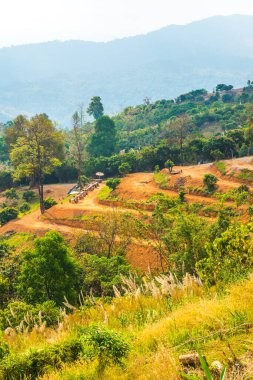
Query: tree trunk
<point x="41" y="196"/>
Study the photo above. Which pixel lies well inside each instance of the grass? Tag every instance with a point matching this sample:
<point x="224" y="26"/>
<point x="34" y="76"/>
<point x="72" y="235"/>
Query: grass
<point x="221" y="167"/>
<point x="161" y="180"/>
<point x="160" y="325"/>
<point x="106" y="194"/>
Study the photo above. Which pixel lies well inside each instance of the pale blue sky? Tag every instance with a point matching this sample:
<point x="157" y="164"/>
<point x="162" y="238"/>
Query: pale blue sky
<point x="26" y="21"/>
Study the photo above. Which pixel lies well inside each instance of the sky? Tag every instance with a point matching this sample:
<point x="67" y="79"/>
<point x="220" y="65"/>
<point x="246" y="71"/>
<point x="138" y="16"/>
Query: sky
<point x="29" y="21"/>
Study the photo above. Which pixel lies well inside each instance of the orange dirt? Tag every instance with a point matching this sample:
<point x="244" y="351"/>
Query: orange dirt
<point x="134" y="187"/>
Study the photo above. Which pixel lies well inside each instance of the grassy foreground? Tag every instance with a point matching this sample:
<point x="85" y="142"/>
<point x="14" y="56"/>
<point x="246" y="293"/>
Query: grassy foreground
<point x="159" y="323"/>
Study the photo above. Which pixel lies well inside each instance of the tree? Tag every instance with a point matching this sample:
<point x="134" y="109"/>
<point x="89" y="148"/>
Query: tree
<point x="103" y="141"/>
<point x="178" y="129"/>
<point x="95" y="108"/>
<point x="77" y="125"/>
<point x="210" y="182"/>
<point x="229" y="257"/>
<point x="169" y="165"/>
<point x="48" y="272"/>
<point x="124" y="168"/>
<point x="101" y="274"/>
<point x="37" y="152"/>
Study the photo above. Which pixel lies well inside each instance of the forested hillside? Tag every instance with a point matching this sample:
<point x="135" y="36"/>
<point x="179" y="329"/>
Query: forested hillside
<point x="54" y="77"/>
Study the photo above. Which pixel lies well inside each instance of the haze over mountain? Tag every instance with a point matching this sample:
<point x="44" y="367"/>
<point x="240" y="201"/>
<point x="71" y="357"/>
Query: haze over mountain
<point x="55" y="77"/>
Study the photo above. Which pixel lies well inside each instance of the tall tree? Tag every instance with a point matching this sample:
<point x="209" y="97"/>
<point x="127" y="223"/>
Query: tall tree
<point x="103" y="141"/>
<point x="178" y="129"/>
<point x="95" y="108"/>
<point x="37" y="152"/>
<point x="77" y="133"/>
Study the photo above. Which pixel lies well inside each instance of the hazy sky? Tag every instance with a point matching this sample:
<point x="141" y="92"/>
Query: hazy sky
<point x="25" y="21"/>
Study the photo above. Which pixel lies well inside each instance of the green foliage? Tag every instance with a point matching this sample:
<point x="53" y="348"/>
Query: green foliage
<point x="49" y="272"/>
<point x="221" y="166"/>
<point x="169" y="165"/>
<point x="100" y="274"/>
<point x="24" y="207"/>
<point x="11" y="193"/>
<point x="28" y="195"/>
<point x="35" y="363"/>
<point x="108" y="347"/>
<point x="162" y="180"/>
<point x="243" y="189"/>
<point x="4" y="348"/>
<point x="229" y="257"/>
<point x="181" y="196"/>
<point x="49" y="202"/>
<point x="103" y="141"/>
<point x="104" y="193"/>
<point x="8" y="214"/>
<point x="6" y="180"/>
<point x="37" y="151"/>
<point x="112" y="183"/>
<point x="124" y="168"/>
<point x="95" y="108"/>
<point x="18" y="312"/>
<point x="210" y="182"/>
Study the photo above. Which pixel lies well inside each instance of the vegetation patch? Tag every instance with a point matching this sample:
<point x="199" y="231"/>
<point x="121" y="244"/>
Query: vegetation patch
<point x="221" y="167"/>
<point x="161" y="180"/>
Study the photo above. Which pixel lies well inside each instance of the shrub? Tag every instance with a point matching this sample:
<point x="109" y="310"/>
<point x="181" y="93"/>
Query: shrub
<point x="4" y="348"/>
<point x="5" y="180"/>
<point x="8" y="214"/>
<point x="221" y="167"/>
<point x="229" y="257"/>
<point x="250" y="210"/>
<point x="49" y="202"/>
<point x="181" y="196"/>
<point x="24" y="207"/>
<point x="113" y="183"/>
<point x="124" y="168"/>
<point x="11" y="193"/>
<point x="28" y="195"/>
<point x="101" y="274"/>
<point x="108" y="347"/>
<point x="243" y="189"/>
<point x="210" y="182"/>
<point x="157" y="169"/>
<point x="35" y="363"/>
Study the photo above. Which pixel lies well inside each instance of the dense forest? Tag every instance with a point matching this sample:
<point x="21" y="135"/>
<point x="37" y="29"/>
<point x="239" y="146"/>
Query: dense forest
<point x="72" y="306"/>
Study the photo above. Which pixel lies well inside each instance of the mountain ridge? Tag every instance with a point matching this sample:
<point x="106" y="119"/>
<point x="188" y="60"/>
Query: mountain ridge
<point x="54" y="77"/>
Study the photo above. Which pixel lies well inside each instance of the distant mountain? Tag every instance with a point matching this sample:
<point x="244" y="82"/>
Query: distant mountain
<point x="55" y="77"/>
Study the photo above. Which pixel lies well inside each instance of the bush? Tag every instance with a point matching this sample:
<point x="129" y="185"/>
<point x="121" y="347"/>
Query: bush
<point x="243" y="189"/>
<point x="5" y="180"/>
<point x="4" y="348"/>
<point x="100" y="274"/>
<point x="28" y="195"/>
<point x="35" y="363"/>
<point x="25" y="207"/>
<point x="113" y="183"/>
<point x="8" y="214"/>
<point x="11" y="193"/>
<point x="108" y="347"/>
<point x="210" y="182"/>
<point x="124" y="168"/>
<point x="49" y="202"/>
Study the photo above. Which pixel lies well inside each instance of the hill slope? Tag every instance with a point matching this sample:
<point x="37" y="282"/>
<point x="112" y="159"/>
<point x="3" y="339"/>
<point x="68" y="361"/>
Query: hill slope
<point x="54" y="77"/>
